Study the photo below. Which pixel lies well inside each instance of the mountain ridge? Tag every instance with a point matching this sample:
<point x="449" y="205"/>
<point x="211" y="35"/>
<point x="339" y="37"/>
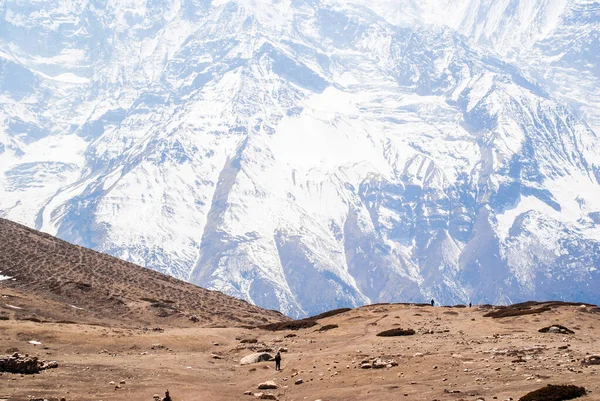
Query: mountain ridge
<point x="304" y="155"/>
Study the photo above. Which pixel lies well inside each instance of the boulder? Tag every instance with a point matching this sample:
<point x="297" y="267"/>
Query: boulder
<point x="556" y="329"/>
<point x="268" y="385"/>
<point x="256" y="358"/>
<point x="379" y="364"/>
<point x="48" y="365"/>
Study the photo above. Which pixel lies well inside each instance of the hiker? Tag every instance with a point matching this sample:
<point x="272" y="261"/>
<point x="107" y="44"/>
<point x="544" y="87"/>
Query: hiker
<point x="432" y="302"/>
<point x="278" y="361"/>
<point x="167" y="396"/>
<point x="470" y="304"/>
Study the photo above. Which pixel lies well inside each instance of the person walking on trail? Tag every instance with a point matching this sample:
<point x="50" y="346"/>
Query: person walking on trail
<point x="278" y="361"/>
<point x="167" y="396"/>
<point x="432" y="302"/>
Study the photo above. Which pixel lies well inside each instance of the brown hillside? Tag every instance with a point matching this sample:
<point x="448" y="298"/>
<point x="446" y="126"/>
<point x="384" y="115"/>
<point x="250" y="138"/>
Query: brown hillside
<point x="463" y="356"/>
<point x="54" y="281"/>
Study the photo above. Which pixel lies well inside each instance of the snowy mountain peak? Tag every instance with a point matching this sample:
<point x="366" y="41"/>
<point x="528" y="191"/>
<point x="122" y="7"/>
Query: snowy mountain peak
<point x="306" y="155"/>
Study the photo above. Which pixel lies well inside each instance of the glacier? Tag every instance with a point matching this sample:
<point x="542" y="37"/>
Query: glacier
<point x="306" y="155"/>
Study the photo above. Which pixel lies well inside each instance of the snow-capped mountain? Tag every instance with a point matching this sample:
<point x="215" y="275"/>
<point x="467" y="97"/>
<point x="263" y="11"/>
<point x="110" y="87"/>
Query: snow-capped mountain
<point x="306" y="154"/>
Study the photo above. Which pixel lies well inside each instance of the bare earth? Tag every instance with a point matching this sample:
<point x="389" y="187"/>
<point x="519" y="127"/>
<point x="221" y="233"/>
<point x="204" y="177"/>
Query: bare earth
<point x="54" y="281"/>
<point x="467" y="357"/>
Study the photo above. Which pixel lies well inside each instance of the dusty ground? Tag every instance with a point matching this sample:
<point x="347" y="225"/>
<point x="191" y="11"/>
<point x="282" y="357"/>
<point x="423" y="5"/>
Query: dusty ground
<point x="468" y="356"/>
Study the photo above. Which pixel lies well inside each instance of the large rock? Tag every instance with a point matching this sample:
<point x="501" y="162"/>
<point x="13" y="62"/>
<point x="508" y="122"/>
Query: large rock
<point x="591" y="360"/>
<point x="556" y="329"/>
<point x="256" y="358"/>
<point x="24" y="364"/>
<point x="379" y="364"/>
<point x="268" y="385"/>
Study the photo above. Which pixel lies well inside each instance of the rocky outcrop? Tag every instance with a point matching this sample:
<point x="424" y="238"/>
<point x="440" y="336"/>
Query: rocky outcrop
<point x="24" y="364"/>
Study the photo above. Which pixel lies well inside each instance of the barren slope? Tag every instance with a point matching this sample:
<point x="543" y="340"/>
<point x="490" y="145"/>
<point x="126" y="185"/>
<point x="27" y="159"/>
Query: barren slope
<point x="50" y="279"/>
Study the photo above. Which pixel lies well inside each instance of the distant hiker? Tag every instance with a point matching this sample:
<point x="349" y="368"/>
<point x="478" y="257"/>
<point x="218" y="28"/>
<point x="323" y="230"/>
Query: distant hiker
<point x="470" y="304"/>
<point x="432" y="302"/>
<point x="167" y="396"/>
<point x="278" y="361"/>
